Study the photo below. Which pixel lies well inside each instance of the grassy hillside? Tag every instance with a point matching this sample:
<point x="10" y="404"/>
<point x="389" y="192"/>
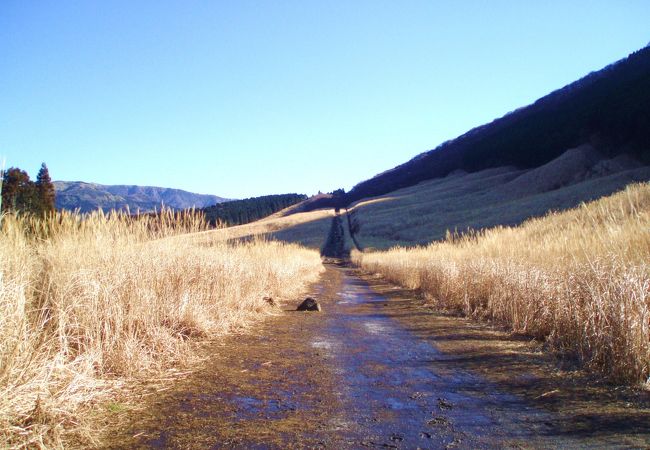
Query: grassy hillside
<point x="86" y="197"/>
<point x="578" y="280"/>
<point x="308" y="229"/>
<point x="609" y="109"/>
<point x="498" y="196"/>
<point x="425" y="212"/>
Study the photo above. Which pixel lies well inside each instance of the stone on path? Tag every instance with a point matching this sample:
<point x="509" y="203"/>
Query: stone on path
<point x="309" y="304"/>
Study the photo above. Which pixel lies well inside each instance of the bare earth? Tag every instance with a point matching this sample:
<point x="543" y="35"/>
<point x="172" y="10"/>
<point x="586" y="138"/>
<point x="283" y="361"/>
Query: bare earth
<point x="378" y="369"/>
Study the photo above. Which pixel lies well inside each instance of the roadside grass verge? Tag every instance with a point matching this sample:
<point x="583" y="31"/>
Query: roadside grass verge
<point x="580" y="280"/>
<point x="88" y="304"/>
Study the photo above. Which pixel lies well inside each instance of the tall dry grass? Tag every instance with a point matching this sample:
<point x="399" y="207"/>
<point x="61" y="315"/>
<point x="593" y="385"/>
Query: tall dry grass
<point x="308" y="229"/>
<point x="578" y="279"/>
<point x="87" y="303"/>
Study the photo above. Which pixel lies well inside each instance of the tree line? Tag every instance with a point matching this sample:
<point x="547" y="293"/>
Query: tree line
<point x="21" y="194"/>
<point x="237" y="212"/>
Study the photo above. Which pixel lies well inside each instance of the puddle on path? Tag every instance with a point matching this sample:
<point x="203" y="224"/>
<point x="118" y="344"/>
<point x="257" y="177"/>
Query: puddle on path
<point x="393" y="390"/>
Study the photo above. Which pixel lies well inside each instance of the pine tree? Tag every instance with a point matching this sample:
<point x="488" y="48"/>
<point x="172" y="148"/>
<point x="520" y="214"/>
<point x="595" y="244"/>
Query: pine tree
<point x="45" y="190"/>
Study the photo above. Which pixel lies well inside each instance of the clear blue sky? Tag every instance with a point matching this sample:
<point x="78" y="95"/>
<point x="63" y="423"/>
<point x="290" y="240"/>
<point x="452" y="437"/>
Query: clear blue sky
<point x="242" y="98"/>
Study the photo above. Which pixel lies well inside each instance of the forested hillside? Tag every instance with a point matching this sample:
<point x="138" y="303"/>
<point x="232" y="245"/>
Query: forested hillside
<point x="238" y="212"/>
<point x="608" y="109"/>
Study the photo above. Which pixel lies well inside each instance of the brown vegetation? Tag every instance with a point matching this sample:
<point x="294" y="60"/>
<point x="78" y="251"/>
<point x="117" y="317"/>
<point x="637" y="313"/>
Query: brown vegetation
<point x="305" y="228"/>
<point x="420" y="214"/>
<point x="579" y="280"/>
<point x="88" y="303"/>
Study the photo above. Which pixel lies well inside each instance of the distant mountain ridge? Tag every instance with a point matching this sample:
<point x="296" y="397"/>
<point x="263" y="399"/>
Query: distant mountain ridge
<point x="86" y="197"/>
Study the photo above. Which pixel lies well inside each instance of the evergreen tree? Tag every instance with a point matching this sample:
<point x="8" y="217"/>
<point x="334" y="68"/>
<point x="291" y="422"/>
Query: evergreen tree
<point x="18" y="191"/>
<point x="45" y="190"/>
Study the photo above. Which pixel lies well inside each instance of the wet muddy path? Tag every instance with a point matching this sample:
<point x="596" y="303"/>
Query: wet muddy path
<point x="377" y="369"/>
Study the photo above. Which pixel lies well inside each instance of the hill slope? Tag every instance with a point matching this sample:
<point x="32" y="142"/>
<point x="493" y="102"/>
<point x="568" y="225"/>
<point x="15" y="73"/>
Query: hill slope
<point x="608" y="109"/>
<point x="87" y="197"/>
<point x="498" y="196"/>
<point x="584" y="141"/>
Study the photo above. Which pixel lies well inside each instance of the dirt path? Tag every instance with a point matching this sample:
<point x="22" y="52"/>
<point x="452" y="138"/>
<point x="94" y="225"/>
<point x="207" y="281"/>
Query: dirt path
<point x="376" y="369"/>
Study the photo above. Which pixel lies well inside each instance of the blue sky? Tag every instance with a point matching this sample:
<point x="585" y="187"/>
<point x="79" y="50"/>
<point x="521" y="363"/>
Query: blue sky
<point x="243" y="98"/>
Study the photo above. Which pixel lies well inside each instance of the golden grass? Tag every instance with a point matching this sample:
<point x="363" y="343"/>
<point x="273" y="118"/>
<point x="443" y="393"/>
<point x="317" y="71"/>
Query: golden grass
<point x="419" y="214"/>
<point x="89" y="303"/>
<point x="307" y="228"/>
<point x="578" y="279"/>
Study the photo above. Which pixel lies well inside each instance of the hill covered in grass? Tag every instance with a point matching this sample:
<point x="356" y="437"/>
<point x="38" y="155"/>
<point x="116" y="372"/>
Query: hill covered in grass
<point x="459" y="202"/>
<point x="86" y="197"/>
<point x="497" y="196"/>
<point x="608" y="110"/>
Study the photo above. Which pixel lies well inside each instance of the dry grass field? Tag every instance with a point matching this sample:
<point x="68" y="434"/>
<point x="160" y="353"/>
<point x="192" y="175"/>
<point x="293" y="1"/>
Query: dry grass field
<point x="308" y="229"/>
<point x="580" y="280"/>
<point x="88" y="304"/>
<point x="420" y="214"/>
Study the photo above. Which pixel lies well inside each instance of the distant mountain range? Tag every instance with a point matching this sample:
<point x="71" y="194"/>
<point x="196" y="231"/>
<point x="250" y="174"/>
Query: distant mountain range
<point x="86" y="197"/>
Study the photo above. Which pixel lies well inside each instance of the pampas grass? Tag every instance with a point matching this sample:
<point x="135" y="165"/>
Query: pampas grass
<point x="88" y="303"/>
<point x="579" y="280"/>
